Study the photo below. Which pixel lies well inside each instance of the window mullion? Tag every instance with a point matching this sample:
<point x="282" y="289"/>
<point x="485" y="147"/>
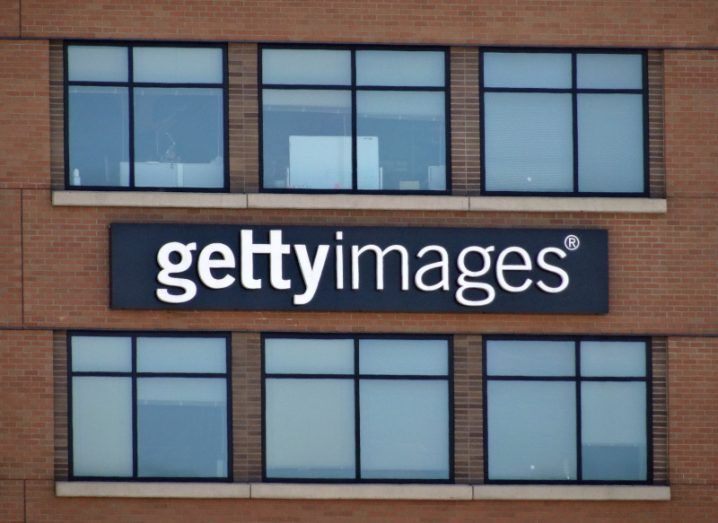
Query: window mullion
<point x="574" y="112"/>
<point x="579" y="442"/>
<point x="131" y="120"/>
<point x="355" y="183"/>
<point x="357" y="421"/>
<point x="134" y="407"/>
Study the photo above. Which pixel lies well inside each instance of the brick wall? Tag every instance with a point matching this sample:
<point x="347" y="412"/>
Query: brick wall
<point x="54" y="260"/>
<point x="552" y="22"/>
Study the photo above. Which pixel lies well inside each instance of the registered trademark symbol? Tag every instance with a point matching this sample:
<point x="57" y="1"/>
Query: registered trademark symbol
<point x="571" y="242"/>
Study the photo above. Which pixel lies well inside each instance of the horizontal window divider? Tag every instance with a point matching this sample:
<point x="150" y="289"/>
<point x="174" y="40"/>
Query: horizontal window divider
<point x="89" y="83"/>
<point x="102" y="374"/>
<point x="275" y="375"/>
<point x="424" y="88"/>
<point x="410" y="491"/>
<point x="554" y="90"/>
<point x="181" y="375"/>
<point x="215" y="199"/>
<point x="298" y="375"/>
<point x="567" y="378"/>
<point x="567" y="90"/>
<point x="186" y="85"/>
<point x="308" y="87"/>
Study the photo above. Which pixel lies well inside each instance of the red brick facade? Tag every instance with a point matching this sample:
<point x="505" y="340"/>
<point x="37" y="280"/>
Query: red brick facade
<point x="54" y="260"/>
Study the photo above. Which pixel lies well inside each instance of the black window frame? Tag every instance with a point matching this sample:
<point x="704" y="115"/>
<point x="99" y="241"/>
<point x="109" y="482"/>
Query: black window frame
<point x="356" y="377"/>
<point x="134" y="375"/>
<point x="578" y="380"/>
<point x="574" y="91"/>
<point x="130" y="84"/>
<point x="352" y="88"/>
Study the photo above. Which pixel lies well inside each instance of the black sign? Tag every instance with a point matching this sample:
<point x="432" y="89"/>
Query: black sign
<point x="402" y="269"/>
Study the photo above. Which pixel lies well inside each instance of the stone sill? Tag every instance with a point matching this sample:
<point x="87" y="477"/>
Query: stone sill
<point x="361" y="491"/>
<point x="379" y="202"/>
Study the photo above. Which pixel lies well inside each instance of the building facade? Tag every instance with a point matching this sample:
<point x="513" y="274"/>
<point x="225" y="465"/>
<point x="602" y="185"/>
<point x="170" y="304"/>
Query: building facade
<point x="340" y="261"/>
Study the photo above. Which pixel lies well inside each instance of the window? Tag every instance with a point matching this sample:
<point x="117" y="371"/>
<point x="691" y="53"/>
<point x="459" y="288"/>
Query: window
<point x="564" y="122"/>
<point x="567" y="410"/>
<point x="339" y="119"/>
<point x="353" y="409"/>
<point x="145" y="116"/>
<point x="149" y="406"/>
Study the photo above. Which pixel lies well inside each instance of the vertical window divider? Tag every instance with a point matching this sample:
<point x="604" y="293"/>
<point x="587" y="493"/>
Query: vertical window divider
<point x="574" y="113"/>
<point x="355" y="162"/>
<point x="357" y="420"/>
<point x="131" y="116"/>
<point x="134" y="407"/>
<point x="579" y="442"/>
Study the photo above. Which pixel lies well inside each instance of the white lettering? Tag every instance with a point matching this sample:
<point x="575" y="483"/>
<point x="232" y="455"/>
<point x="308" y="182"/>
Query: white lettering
<point x="311" y="272"/>
<point x="541" y="261"/>
<point x="165" y="276"/>
<point x="358" y="251"/>
<point x="502" y="266"/>
<point x="442" y="264"/>
<point x="465" y="284"/>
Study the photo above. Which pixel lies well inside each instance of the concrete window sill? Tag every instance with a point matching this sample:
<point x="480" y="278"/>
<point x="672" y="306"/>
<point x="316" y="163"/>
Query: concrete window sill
<point x="380" y="202"/>
<point x="363" y="491"/>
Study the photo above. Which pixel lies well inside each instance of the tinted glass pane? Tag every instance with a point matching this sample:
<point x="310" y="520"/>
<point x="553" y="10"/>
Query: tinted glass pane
<point x="532" y="430"/>
<point x="96" y="63"/>
<point x="402" y="140"/>
<point x="312" y="356"/>
<point x="609" y="71"/>
<point x="306" y="66"/>
<point x="427" y="357"/>
<point x="102" y="426"/>
<point x="613" y="358"/>
<point x="99" y="136"/>
<point x="404" y="429"/>
<point x="309" y="428"/>
<point x="179" y="138"/>
<point x="307" y="139"/>
<point x="528" y="142"/>
<point x="548" y="70"/>
<point x="182" y="427"/>
<point x="610" y="142"/>
<point x="177" y="64"/>
<point x="530" y="358"/>
<point x="181" y="355"/>
<point x="613" y="431"/>
<point x="101" y="353"/>
<point x="400" y="68"/>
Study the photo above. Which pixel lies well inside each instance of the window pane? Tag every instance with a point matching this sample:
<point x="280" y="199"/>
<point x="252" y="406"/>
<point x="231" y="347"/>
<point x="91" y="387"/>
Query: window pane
<point x="101" y="353"/>
<point x="548" y="70"/>
<point x="179" y="138"/>
<point x="610" y="142"/>
<point x="427" y="357"/>
<point x="311" y="356"/>
<point x="609" y="71"/>
<point x="177" y="64"/>
<point x="529" y="142"/>
<point x="307" y="139"/>
<point x="97" y="63"/>
<point x="98" y="136"/>
<point x="613" y="431"/>
<point x="613" y="358"/>
<point x="532" y="430"/>
<point x="400" y="68"/>
<point x="404" y="429"/>
<point x="402" y="140"/>
<point x="181" y="355"/>
<point x="306" y="66"/>
<point x="530" y="358"/>
<point x="182" y="427"/>
<point x="102" y="426"/>
<point x="309" y="428"/>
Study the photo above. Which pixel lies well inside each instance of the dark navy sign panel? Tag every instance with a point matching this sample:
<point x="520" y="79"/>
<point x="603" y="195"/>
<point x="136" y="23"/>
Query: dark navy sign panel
<point x="235" y="267"/>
